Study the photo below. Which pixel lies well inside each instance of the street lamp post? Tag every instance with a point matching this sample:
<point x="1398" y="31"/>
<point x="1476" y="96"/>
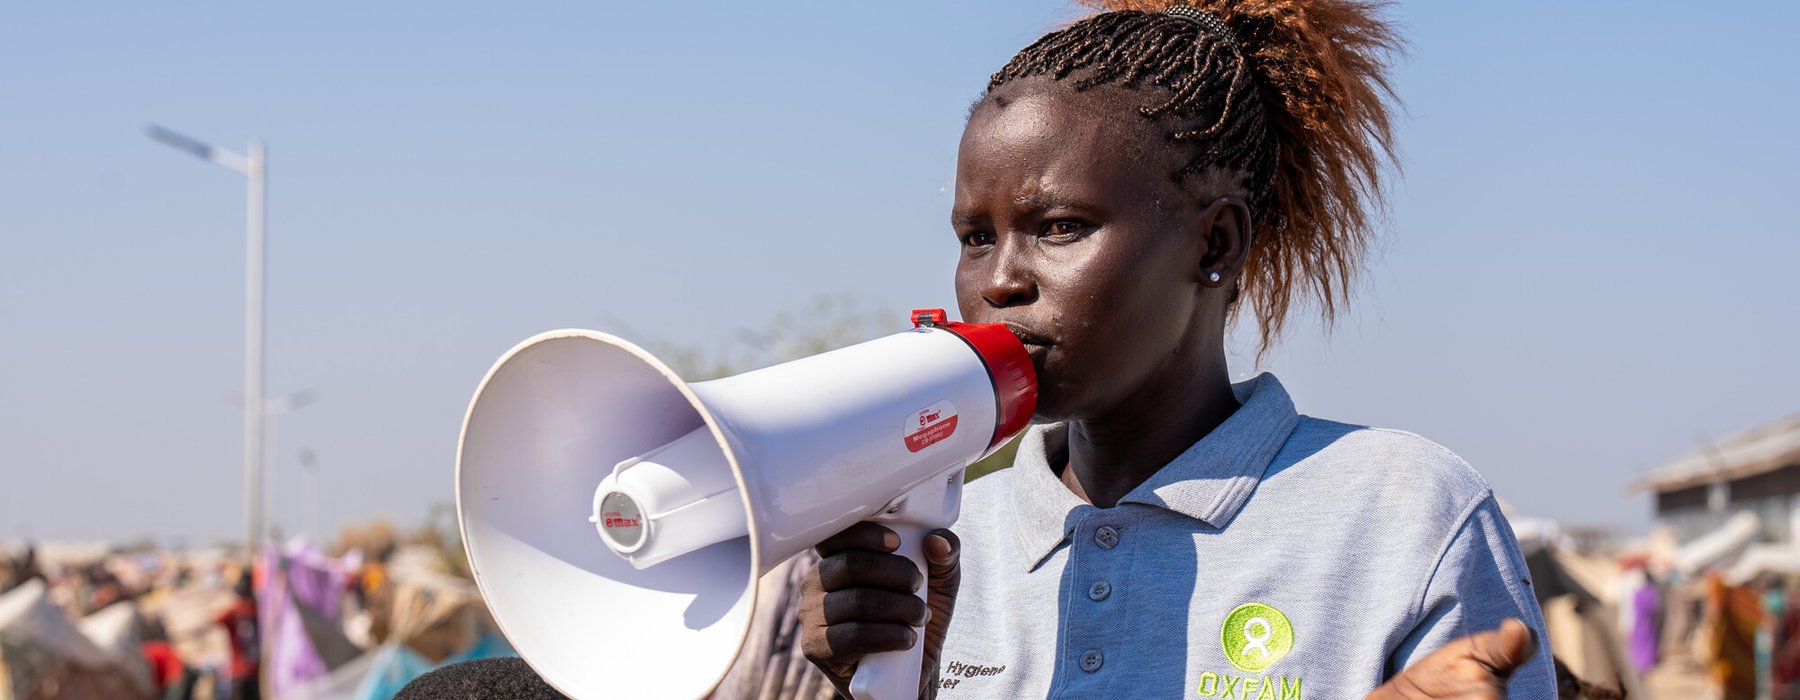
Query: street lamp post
<point x="309" y="461"/>
<point x="254" y="167"/>
<point x="273" y="410"/>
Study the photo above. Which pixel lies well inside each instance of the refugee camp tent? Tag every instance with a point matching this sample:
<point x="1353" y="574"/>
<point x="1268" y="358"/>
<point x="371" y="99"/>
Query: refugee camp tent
<point x="301" y="613"/>
<point x="434" y="619"/>
<point x="114" y="630"/>
<point x="1717" y="546"/>
<point x="1576" y="594"/>
<point x="1764" y="559"/>
<point x="437" y="620"/>
<point x="43" y="655"/>
<point x="340" y="684"/>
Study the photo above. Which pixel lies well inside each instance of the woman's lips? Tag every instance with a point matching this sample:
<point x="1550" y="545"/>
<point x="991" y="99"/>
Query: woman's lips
<point x="1034" y="342"/>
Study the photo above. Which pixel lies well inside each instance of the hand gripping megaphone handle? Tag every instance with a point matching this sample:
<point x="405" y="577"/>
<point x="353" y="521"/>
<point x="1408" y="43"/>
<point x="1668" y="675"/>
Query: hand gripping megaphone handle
<point x="894" y="675"/>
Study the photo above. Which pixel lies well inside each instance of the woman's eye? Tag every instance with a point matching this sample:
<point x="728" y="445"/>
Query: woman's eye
<point x="1065" y="229"/>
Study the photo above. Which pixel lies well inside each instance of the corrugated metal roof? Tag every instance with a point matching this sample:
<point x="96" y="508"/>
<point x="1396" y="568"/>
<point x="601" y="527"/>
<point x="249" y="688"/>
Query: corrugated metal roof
<point x="1761" y="449"/>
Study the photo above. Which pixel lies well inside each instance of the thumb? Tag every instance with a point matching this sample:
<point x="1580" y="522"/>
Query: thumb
<point x="943" y="569"/>
<point x="1504" y="650"/>
<point x="943" y="558"/>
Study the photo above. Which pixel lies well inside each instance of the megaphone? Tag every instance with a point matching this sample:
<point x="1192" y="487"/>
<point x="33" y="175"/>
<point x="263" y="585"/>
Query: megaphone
<point x="617" y="518"/>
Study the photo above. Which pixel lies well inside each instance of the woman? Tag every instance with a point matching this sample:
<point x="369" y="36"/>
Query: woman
<point x="1125" y="186"/>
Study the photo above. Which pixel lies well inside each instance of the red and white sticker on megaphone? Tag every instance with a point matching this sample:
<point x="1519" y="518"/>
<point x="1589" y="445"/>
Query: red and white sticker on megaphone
<point x="930" y="425"/>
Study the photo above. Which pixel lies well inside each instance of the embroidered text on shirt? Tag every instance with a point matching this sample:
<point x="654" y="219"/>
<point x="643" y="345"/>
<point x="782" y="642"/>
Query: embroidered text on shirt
<point x="955" y="671"/>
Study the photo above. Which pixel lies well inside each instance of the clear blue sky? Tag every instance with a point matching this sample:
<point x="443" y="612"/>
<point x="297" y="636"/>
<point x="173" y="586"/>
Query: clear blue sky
<point x="1588" y="269"/>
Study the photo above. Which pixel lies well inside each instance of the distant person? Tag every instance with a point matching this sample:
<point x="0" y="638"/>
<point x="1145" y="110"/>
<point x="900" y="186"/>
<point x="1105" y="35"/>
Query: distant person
<point x="370" y="580"/>
<point x="1785" y="673"/>
<point x="104" y="588"/>
<point x="24" y="568"/>
<point x="1646" y="624"/>
<point x="1126" y="187"/>
<point x="1733" y="614"/>
<point x="1774" y="605"/>
<point x="171" y="677"/>
<point x="244" y="636"/>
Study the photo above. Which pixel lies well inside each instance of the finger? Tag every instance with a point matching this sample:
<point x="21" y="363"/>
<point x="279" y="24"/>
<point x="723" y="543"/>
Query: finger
<point x="873" y="605"/>
<point x="813" y="644"/>
<point x="1475" y="666"/>
<point x="864" y="535"/>
<point x="856" y="568"/>
<point x="817" y="649"/>
<point x="812" y="600"/>
<point x="1504" y="650"/>
<point x="854" y="640"/>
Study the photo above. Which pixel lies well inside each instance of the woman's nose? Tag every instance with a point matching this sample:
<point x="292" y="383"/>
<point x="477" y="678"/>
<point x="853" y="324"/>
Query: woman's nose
<point x="1010" y="282"/>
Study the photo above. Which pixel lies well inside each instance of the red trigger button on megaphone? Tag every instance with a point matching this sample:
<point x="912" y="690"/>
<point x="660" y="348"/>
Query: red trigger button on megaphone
<point x="928" y="317"/>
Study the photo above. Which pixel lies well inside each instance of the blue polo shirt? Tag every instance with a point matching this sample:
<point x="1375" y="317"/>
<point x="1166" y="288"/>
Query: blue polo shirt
<point x="1281" y="556"/>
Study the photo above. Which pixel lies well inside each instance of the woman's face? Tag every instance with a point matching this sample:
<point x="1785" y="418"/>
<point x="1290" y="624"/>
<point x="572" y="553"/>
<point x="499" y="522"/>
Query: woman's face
<point x="1075" y="235"/>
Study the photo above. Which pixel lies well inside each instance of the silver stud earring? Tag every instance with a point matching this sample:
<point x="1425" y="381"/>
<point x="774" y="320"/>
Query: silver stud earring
<point x="1214" y="277"/>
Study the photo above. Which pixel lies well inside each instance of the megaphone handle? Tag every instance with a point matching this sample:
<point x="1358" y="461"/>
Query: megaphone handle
<point x="894" y="675"/>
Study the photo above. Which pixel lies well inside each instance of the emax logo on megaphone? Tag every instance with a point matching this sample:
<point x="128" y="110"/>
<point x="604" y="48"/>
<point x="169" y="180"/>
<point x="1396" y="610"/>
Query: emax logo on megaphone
<point x="617" y="518"/>
<point x="934" y="424"/>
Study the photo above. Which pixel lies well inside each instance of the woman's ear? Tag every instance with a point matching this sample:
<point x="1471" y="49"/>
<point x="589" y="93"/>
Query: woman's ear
<point x="1225" y="232"/>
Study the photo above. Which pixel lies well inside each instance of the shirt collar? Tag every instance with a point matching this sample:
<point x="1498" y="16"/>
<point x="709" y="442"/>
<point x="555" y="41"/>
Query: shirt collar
<point x="1210" y="481"/>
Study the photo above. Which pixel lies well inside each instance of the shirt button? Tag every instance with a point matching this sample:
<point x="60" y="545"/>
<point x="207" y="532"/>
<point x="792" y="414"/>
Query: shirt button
<point x="1099" y="591"/>
<point x="1106" y="537"/>
<point x="1091" y="660"/>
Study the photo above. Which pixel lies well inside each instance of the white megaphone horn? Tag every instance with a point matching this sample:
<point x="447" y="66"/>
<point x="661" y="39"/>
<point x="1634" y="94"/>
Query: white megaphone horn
<point x="617" y="518"/>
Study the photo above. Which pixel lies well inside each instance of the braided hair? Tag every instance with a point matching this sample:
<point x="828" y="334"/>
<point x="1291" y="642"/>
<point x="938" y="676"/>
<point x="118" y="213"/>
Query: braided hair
<point x="1281" y="102"/>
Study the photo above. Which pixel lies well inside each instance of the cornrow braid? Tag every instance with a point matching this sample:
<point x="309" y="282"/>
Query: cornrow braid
<point x="1288" y="107"/>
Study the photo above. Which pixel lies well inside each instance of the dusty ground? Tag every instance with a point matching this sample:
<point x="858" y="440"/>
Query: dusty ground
<point x="1677" y="679"/>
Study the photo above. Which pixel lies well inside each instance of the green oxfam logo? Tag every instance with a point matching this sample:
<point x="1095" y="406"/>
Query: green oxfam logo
<point x="1256" y="636"/>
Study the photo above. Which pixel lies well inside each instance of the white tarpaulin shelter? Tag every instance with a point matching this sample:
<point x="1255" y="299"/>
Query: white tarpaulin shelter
<point x="1718" y="546"/>
<point x="114" y="631"/>
<point x="1759" y="559"/>
<point x="43" y="654"/>
<point x="26" y="613"/>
